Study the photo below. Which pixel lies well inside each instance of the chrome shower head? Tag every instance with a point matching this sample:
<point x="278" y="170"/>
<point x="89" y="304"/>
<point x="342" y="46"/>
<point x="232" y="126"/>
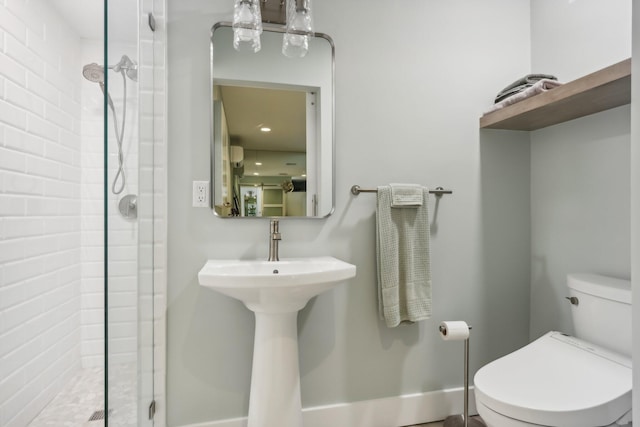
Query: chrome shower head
<point x="93" y="72"/>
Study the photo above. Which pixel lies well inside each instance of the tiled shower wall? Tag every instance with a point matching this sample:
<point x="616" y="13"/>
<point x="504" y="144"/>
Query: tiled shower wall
<point x="123" y="233"/>
<point x="51" y="210"/>
<point x="39" y="208"/>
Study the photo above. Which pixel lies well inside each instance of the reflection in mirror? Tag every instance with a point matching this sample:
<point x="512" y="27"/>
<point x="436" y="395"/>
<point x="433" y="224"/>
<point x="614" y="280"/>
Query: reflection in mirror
<point x="272" y="128"/>
<point x="268" y="145"/>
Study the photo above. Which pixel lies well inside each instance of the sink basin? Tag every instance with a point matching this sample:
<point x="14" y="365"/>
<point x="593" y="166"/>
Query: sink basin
<point x="275" y="291"/>
<point x="284" y="285"/>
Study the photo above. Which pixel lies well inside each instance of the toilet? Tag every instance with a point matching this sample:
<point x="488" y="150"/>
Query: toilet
<point x="564" y="381"/>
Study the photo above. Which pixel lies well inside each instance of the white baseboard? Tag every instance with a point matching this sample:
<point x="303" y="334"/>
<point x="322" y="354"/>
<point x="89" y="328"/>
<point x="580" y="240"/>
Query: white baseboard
<point x="386" y="412"/>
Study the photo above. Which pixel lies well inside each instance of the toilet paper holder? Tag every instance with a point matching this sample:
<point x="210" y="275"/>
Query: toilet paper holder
<point x="463" y="419"/>
<point x="443" y="329"/>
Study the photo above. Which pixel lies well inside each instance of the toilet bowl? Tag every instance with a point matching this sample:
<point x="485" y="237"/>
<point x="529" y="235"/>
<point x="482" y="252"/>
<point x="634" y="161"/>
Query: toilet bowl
<point x="564" y="381"/>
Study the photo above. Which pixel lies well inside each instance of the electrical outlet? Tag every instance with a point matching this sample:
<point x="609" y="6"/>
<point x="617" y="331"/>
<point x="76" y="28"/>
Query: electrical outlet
<point x="200" y="194"/>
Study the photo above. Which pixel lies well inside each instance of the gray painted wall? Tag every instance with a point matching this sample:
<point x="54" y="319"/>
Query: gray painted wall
<point x="580" y="171"/>
<point x="572" y="38"/>
<point x="409" y="91"/>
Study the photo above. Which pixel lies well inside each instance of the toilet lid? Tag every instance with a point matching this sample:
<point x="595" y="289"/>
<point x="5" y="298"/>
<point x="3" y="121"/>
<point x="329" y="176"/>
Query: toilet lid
<point x="558" y="380"/>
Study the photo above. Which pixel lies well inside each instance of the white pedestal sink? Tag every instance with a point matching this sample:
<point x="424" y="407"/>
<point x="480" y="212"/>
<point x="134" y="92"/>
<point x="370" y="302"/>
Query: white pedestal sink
<point x="275" y="292"/>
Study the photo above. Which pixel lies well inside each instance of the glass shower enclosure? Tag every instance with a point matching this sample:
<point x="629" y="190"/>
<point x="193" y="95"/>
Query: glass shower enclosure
<point x="77" y="223"/>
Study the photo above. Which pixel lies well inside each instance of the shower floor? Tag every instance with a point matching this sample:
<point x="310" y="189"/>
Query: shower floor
<point x="84" y="395"/>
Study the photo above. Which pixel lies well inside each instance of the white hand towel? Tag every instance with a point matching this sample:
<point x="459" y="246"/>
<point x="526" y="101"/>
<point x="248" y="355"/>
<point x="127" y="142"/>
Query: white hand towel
<point x="403" y="260"/>
<point x="406" y="195"/>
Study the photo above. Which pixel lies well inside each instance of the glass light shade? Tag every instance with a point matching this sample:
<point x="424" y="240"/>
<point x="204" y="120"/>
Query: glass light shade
<point x="247" y="25"/>
<point x="299" y="20"/>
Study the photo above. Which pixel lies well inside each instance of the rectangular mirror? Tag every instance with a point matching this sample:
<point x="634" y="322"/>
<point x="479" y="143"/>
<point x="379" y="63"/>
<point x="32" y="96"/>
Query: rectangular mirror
<point x="272" y="120"/>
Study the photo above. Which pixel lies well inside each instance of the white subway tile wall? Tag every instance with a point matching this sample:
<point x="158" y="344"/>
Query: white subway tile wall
<point x="40" y="235"/>
<point x="51" y="210"/>
<point x="122" y="232"/>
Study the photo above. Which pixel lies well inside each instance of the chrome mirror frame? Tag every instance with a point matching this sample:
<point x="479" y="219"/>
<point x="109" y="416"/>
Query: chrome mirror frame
<point x="274" y="28"/>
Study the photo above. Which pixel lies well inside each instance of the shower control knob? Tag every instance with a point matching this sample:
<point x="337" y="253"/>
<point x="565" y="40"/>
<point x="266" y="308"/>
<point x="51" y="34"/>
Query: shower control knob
<point x="573" y="300"/>
<point x="128" y="206"/>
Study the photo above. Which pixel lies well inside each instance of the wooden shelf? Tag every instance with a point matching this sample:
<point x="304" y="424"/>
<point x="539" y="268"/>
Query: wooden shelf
<point x="605" y="89"/>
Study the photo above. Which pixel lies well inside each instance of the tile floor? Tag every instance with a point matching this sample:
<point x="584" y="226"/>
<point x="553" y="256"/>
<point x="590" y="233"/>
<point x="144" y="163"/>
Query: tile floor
<point x="84" y="395"/>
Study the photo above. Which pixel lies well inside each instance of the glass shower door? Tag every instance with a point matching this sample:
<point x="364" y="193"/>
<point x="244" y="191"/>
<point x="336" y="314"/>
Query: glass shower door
<point x="128" y="218"/>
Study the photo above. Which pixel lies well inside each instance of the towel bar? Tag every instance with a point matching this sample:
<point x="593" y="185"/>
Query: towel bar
<point x="439" y="191"/>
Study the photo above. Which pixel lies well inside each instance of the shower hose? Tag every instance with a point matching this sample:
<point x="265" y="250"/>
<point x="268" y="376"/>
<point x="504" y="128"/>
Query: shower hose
<point x="120" y="177"/>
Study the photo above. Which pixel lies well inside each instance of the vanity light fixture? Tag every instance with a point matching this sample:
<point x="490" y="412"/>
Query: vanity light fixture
<point x="247" y="25"/>
<point x="295" y="15"/>
<point x="295" y="43"/>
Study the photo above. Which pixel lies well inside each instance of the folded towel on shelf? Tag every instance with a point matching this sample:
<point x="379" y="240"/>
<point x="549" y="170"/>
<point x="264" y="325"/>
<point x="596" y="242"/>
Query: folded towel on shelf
<point x="538" y="87"/>
<point x="403" y="260"/>
<point x="406" y="195"/>
<point x="507" y="93"/>
<point x="522" y="84"/>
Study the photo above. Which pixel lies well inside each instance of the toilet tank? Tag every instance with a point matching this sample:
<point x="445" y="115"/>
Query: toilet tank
<point x="602" y="314"/>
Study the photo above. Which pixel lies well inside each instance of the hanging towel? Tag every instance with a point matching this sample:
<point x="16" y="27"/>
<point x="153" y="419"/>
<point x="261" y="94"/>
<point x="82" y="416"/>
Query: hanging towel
<point x="406" y="195"/>
<point x="403" y="260"/>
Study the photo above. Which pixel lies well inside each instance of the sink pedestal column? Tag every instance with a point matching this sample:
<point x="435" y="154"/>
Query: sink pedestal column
<point x="275" y="378"/>
<point x="275" y="291"/>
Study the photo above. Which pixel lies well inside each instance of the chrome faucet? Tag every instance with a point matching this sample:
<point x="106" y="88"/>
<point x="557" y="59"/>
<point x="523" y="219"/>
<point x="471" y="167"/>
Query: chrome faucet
<point x="274" y="238"/>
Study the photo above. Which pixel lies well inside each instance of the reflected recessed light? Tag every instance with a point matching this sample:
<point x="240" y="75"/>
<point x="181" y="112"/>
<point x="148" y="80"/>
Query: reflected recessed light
<point x="256" y="173"/>
<point x="258" y="163"/>
<point x="265" y="129"/>
<point x="303" y="175"/>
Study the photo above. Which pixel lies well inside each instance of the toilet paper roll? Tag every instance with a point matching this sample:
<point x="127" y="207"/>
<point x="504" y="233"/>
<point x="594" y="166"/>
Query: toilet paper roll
<point x="456" y="330"/>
